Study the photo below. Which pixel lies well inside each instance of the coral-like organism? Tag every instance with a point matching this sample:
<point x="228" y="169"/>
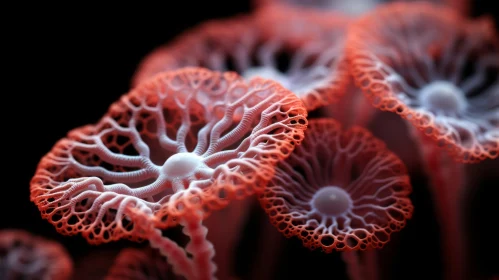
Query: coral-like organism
<point x="187" y="137"/>
<point x="434" y="68"/>
<point x="301" y="50"/>
<point x="339" y="190"/>
<point x="26" y="256"/>
<point x="440" y="71"/>
<point x="180" y="145"/>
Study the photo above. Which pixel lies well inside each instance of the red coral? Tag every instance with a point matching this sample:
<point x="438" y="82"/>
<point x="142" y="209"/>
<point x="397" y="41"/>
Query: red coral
<point x="183" y="141"/>
<point x="339" y="190"/>
<point x="435" y="69"/>
<point x="302" y="51"/>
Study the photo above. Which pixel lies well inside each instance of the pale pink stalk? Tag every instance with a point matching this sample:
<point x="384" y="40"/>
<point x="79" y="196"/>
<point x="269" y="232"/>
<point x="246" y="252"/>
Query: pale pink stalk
<point x="201" y="249"/>
<point x="175" y="255"/>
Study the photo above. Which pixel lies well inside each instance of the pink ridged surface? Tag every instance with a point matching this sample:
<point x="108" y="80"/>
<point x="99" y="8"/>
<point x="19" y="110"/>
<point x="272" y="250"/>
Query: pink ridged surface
<point x="436" y="69"/>
<point x="340" y="190"/>
<point x="254" y="45"/>
<point x="185" y="141"/>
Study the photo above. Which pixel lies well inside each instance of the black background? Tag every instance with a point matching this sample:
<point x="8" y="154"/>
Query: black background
<point x="70" y="63"/>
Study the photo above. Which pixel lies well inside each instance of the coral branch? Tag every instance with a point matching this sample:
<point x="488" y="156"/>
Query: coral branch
<point x="174" y="254"/>
<point x="201" y="249"/>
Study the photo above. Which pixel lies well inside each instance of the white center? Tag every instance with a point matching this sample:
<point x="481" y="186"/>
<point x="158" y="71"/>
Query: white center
<point x="442" y="96"/>
<point x="331" y="201"/>
<point x="182" y="165"/>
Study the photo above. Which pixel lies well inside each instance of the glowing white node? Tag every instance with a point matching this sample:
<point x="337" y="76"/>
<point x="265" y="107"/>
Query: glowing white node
<point x="442" y="96"/>
<point x="331" y="201"/>
<point x="182" y="165"/>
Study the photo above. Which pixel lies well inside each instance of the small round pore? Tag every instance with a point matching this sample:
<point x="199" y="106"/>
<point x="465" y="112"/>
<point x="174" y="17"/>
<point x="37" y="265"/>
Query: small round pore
<point x="443" y="97"/>
<point x="331" y="201"/>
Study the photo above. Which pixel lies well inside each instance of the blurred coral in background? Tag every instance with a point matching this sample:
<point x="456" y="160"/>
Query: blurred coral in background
<point x="25" y="256"/>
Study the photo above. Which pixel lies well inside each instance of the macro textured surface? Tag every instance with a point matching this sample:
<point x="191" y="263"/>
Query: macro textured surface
<point x="436" y="69"/>
<point x="339" y="190"/>
<point x="299" y="49"/>
<point x="186" y="140"/>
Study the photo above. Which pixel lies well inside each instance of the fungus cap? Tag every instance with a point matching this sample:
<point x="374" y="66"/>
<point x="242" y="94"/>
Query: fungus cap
<point x="434" y="68"/>
<point x="302" y="51"/>
<point x="185" y="141"/>
<point x="339" y="190"/>
<point x="25" y="256"/>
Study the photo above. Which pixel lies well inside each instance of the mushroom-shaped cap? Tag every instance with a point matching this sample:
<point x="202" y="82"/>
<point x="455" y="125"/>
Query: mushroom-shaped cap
<point x="25" y="256"/>
<point x="139" y="264"/>
<point x="302" y="51"/>
<point x="190" y="139"/>
<point x="436" y="69"/>
<point x="339" y="190"/>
